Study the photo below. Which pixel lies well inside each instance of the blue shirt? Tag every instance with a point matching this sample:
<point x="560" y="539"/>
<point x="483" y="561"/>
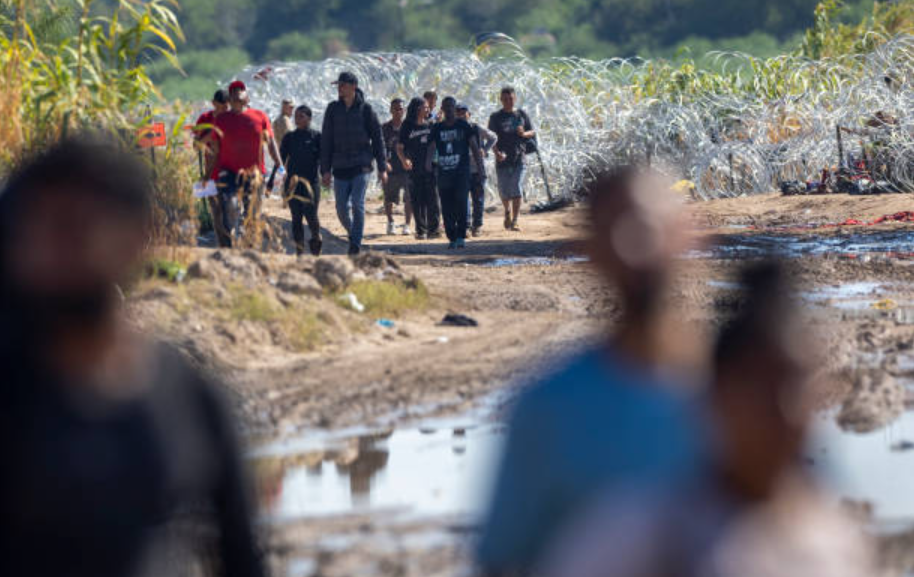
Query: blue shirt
<point x="596" y="423"/>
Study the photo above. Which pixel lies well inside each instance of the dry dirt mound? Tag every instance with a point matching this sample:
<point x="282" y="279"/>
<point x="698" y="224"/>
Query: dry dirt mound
<point x="246" y="309"/>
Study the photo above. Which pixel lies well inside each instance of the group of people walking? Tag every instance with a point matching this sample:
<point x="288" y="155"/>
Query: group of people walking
<point x="431" y="158"/>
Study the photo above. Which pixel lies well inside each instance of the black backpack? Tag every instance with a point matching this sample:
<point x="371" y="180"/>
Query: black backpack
<point x="530" y="144"/>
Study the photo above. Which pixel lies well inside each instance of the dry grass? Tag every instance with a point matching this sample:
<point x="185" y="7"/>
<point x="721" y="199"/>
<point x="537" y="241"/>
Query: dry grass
<point x="389" y="299"/>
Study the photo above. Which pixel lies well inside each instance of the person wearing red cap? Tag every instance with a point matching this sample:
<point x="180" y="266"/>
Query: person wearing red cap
<point x="237" y="143"/>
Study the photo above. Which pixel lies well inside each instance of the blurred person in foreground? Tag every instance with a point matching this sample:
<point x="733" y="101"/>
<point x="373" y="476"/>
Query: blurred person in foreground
<point x="119" y="457"/>
<point x="754" y="512"/>
<point x="608" y="416"/>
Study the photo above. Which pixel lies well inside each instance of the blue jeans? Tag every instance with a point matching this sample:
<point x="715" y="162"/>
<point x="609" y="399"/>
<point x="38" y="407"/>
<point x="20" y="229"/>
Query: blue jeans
<point x="350" y="195"/>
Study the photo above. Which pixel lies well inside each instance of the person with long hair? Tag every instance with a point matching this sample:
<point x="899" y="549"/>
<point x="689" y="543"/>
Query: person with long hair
<point x="412" y="149"/>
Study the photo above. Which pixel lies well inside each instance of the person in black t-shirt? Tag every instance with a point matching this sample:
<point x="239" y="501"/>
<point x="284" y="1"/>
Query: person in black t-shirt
<point x="454" y="140"/>
<point x="398" y="177"/>
<point x="301" y="155"/>
<point x="412" y="148"/>
<point x="514" y="129"/>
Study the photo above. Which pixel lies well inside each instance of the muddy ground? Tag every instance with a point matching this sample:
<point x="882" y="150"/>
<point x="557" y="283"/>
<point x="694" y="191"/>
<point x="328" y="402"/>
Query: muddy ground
<point x="535" y="299"/>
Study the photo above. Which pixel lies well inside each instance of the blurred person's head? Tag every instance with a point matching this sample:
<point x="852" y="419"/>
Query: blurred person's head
<point x="397" y="110"/>
<point x="288" y="107"/>
<point x="303" y="117"/>
<point x="508" y="98"/>
<point x="238" y="99"/>
<point x="463" y="112"/>
<point x="431" y="98"/>
<point x="73" y="224"/>
<point x="636" y="230"/>
<point x="449" y="108"/>
<point x="346" y="86"/>
<point x="220" y="101"/>
<point x="417" y="110"/>
<point x="762" y="368"/>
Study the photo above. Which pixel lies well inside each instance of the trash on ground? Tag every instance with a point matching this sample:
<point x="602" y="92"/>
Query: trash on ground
<point x="458" y="320"/>
<point x="549" y="206"/>
<point x="385" y="323"/>
<point x="353" y="302"/>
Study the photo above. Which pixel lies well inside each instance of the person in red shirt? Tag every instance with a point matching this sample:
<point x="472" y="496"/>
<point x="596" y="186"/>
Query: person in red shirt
<point x="202" y="129"/>
<point x="237" y="143"/>
<point x="270" y="139"/>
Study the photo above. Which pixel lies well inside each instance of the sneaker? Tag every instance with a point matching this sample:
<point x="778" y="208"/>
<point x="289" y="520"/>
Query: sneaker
<point x="460" y="243"/>
<point x="315" y="244"/>
<point x="420" y="236"/>
<point x="476" y="231"/>
<point x="508" y="221"/>
<point x="406" y="230"/>
<point x="452" y="244"/>
<point x="434" y="234"/>
<point x="391" y="228"/>
<point x="354" y="250"/>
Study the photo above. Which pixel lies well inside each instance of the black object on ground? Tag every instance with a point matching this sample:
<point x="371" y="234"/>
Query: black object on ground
<point x="551" y="205"/>
<point x="458" y="320"/>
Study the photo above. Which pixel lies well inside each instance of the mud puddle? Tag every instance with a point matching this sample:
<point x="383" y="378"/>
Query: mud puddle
<point x="874" y="471"/>
<point x="892" y="243"/>
<point x="442" y="467"/>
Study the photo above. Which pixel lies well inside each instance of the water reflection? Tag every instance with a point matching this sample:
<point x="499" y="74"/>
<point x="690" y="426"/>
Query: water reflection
<point x="427" y="471"/>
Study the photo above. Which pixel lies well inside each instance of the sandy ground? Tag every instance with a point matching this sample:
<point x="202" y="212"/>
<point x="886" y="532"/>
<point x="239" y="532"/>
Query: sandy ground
<point x="535" y="308"/>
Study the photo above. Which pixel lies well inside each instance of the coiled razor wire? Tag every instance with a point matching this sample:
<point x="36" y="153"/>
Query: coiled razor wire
<point x="752" y="125"/>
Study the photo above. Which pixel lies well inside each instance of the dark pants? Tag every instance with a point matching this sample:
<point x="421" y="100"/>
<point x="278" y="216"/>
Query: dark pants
<point x="304" y="204"/>
<point x="454" y="191"/>
<point x="478" y="195"/>
<point x="231" y="186"/>
<point x="425" y="202"/>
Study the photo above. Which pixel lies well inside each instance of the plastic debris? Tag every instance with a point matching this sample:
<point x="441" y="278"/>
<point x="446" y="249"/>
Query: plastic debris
<point x="352" y="302"/>
<point x="385" y="323"/>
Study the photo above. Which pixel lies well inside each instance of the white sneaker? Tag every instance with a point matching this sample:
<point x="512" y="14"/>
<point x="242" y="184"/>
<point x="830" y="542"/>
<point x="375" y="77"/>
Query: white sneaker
<point x="391" y="228"/>
<point x="406" y="230"/>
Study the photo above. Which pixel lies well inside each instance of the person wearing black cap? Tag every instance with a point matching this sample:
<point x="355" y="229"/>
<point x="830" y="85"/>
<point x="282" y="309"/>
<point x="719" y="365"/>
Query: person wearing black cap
<point x="351" y="139"/>
<point x="205" y="157"/>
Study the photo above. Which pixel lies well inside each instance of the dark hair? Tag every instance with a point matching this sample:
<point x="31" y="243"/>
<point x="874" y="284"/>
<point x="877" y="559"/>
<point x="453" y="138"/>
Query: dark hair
<point x="83" y="165"/>
<point x="304" y="108"/>
<point x="412" y="109"/>
<point x="449" y="99"/>
<point x="396" y="101"/>
<point x="607" y="183"/>
<point x="761" y="311"/>
<point x="429" y="94"/>
<point x="221" y="96"/>
<point x="508" y="90"/>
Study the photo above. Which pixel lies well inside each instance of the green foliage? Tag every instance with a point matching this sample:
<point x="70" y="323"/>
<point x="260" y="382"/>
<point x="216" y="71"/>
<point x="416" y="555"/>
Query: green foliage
<point x="200" y="73"/>
<point x="166" y="269"/>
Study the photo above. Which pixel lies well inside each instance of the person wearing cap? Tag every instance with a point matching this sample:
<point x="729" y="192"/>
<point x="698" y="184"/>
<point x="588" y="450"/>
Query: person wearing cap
<point x="351" y="139"/>
<point x="202" y="129"/>
<point x="237" y="141"/>
<point x="486" y="139"/>
<point x="269" y="138"/>
<point x="283" y="124"/>
<point x="456" y="145"/>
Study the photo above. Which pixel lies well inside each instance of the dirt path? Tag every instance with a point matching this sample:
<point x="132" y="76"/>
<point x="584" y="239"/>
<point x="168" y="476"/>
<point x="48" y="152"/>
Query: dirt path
<point x="534" y="300"/>
<point x="531" y="305"/>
